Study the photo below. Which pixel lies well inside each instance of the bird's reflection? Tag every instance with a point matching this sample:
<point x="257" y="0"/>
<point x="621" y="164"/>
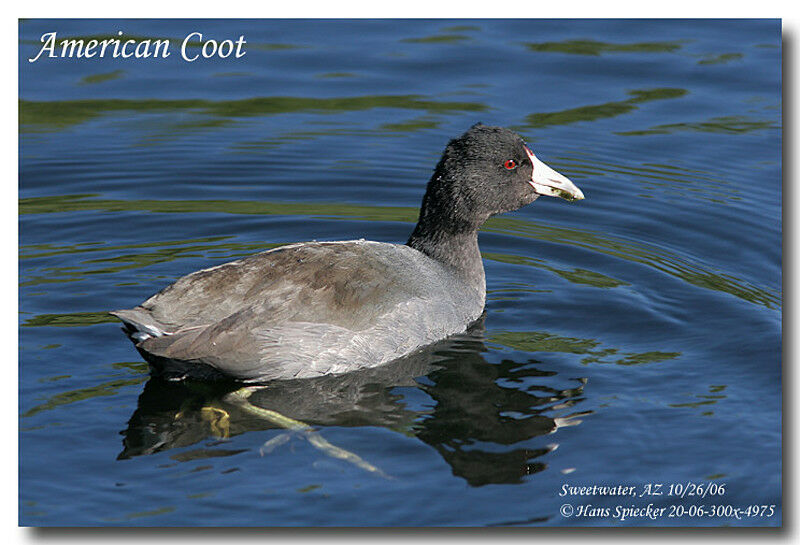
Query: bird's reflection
<point x="478" y="415"/>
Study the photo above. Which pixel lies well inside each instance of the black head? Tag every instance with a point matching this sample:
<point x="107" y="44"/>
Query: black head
<point x="486" y="171"/>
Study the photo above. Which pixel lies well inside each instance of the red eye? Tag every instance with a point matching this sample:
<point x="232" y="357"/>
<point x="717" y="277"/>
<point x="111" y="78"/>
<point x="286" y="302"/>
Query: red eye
<point x="510" y="164"/>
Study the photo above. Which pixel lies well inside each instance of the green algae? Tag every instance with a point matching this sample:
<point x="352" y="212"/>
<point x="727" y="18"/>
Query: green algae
<point x="100" y="78"/>
<point x="105" y="389"/>
<point x="602" y="111"/>
<point x="721" y="59"/>
<point x="57" y="115"/>
<point x="735" y="124"/>
<point x="541" y="341"/>
<point x="438" y="39"/>
<point x="595" y="48"/>
<point x="69" y="319"/>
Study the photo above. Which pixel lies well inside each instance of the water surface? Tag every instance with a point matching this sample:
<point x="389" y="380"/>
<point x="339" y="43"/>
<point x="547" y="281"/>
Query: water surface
<point x="631" y="338"/>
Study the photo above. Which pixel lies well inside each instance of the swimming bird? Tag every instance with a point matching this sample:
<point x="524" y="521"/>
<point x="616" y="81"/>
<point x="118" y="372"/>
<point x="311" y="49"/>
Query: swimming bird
<point x="318" y="308"/>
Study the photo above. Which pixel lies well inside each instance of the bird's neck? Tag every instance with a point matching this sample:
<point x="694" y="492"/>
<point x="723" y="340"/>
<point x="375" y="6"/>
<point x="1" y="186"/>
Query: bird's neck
<point x="454" y="244"/>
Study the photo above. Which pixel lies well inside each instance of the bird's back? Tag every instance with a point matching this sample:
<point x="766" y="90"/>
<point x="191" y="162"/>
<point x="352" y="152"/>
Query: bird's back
<point x="303" y="310"/>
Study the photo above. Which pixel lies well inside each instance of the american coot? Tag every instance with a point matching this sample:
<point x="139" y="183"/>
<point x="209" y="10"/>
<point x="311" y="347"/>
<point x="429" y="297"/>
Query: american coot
<point x="318" y="308"/>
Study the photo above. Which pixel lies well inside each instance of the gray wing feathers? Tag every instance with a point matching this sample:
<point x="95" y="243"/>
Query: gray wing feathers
<point x="304" y="310"/>
<point x="141" y="320"/>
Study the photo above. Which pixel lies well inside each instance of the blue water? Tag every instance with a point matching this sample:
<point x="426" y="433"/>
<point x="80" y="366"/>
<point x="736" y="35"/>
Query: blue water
<point x="631" y="338"/>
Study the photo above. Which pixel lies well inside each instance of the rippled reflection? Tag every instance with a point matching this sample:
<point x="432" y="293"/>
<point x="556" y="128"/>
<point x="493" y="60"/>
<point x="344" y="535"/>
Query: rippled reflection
<point x="480" y="416"/>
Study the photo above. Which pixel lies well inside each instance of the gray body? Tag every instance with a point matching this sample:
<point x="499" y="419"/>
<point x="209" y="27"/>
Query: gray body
<point x="321" y="308"/>
<point x="305" y="310"/>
